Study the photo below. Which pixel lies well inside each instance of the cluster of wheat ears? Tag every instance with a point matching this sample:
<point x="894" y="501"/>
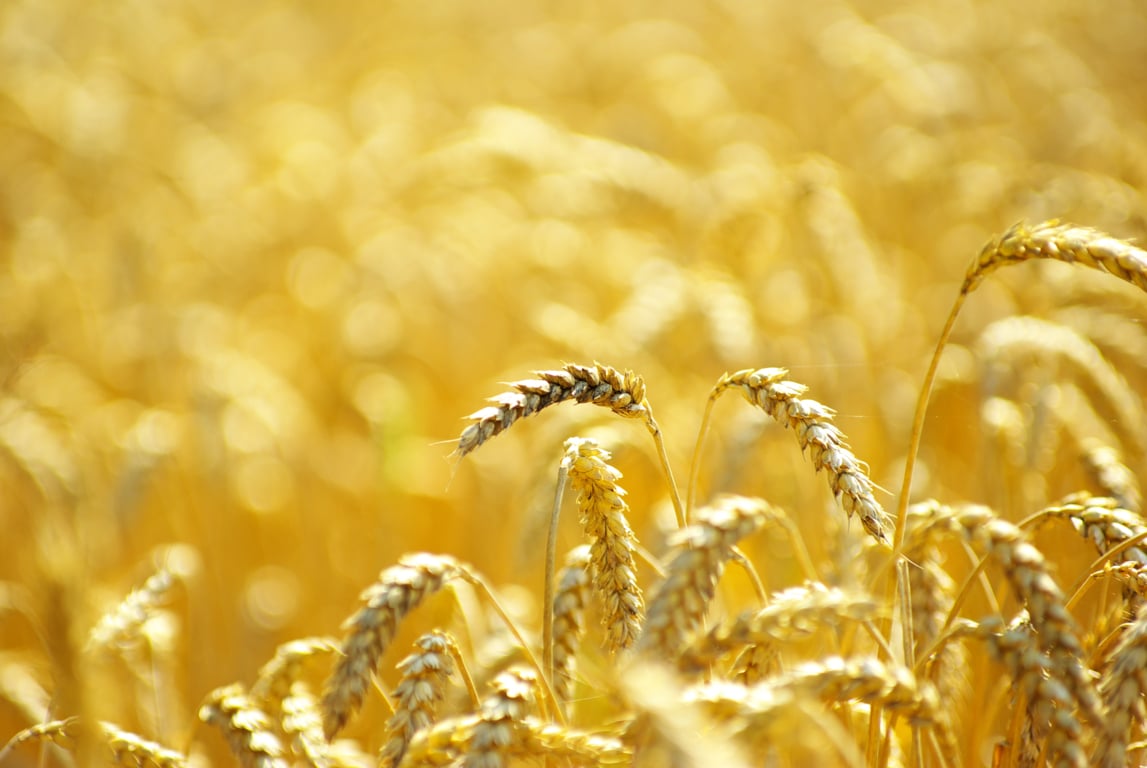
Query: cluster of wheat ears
<point x="680" y="675"/>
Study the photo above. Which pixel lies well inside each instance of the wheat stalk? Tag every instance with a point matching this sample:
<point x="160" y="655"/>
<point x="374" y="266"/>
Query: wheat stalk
<point x="399" y="590"/>
<point x="811" y="422"/>
<point x="601" y="503"/>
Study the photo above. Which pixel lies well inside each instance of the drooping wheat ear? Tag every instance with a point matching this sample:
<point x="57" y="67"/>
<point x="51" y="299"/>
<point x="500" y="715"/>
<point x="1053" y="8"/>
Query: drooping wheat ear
<point x="1061" y="242"/>
<point x="1049" y="703"/>
<point x="811" y="421"/>
<point x="122" y="626"/>
<point x="1028" y="574"/>
<point x="1123" y="690"/>
<point x="701" y="552"/>
<point x="398" y="591"/>
<point x="247" y="728"/>
<point x="569" y="617"/>
<point x="623" y="392"/>
<point x="1031" y="336"/>
<point x="835" y="679"/>
<point x="601" y="503"/>
<point x="124" y="748"/>
<point x="1113" y="477"/>
<point x="416" y="699"/>
<point x="790" y="614"/>
<point x="274" y="680"/>
<point x="508" y="704"/>
<point x="532" y="737"/>
<point x="1103" y="522"/>
<point x="303" y="724"/>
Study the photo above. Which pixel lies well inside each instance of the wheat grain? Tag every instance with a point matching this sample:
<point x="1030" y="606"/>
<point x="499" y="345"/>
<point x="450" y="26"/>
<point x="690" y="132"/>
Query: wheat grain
<point x="275" y="678"/>
<point x="702" y="550"/>
<point x="768" y="389"/>
<point x="399" y="590"/>
<point x="247" y="728"/>
<point x="419" y="693"/>
<point x="602" y="506"/>
<point x="623" y="392"/>
<point x="569" y="617"/>
<point x="1061" y="242"/>
<point x="790" y="614"/>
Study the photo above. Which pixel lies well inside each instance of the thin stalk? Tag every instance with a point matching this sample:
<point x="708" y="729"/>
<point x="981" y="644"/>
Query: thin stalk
<point x="663" y="456"/>
<point x="695" y="464"/>
<point x="551" y="567"/>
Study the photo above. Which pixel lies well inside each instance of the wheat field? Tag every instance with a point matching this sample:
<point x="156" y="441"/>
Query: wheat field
<point x="304" y="307"/>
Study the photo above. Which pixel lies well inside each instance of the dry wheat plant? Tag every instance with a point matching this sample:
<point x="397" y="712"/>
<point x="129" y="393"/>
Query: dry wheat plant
<point x="646" y="383"/>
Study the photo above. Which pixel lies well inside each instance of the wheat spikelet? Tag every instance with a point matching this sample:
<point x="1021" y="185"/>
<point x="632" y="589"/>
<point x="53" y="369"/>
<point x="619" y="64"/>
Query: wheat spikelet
<point x="768" y="389"/>
<point x="702" y="550"/>
<point x="494" y="732"/>
<point x="275" y="678"/>
<point x="440" y="744"/>
<point x="569" y="617"/>
<point x="1061" y="242"/>
<point x="790" y="614"/>
<point x="1027" y="573"/>
<point x="398" y="591"/>
<point x="623" y="392"/>
<point x="1114" y="478"/>
<point x="248" y="730"/>
<point x="303" y="723"/>
<point x="601" y="503"/>
<point x="1123" y="690"/>
<point x="1049" y="702"/>
<point x="122" y="625"/>
<point x="416" y="699"/>
<point x="1131" y="575"/>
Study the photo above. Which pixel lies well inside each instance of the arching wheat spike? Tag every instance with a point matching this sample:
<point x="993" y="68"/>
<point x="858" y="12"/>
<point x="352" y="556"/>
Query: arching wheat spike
<point x="1123" y="690"/>
<point x="702" y="550"/>
<point x="1104" y="523"/>
<point x="1061" y="242"/>
<point x="398" y="591"/>
<point x="790" y="614"/>
<point x="416" y="699"/>
<point x="864" y="679"/>
<point x="811" y="421"/>
<point x="247" y="728"/>
<point x="275" y="678"/>
<point x="623" y="392"/>
<point x="569" y="617"/>
<point x="302" y="722"/>
<point x="123" y="747"/>
<point x="601" y="502"/>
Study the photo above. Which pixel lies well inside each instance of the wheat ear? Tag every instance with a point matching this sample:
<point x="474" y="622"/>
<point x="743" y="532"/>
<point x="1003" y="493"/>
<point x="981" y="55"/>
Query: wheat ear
<point x="790" y="614"/>
<point x="811" y="422"/>
<point x="247" y="728"/>
<point x="569" y="617"/>
<point x="275" y="678"/>
<point x="702" y="550"/>
<point x="399" y="590"/>
<point x="1114" y="478"/>
<point x="416" y="699"/>
<point x="123" y="624"/>
<point x="509" y="703"/>
<point x="303" y="722"/>
<point x="1103" y="522"/>
<point x="601" y="503"/>
<point x="1123" y="690"/>
<point x="124" y="748"/>
<point x="623" y="392"/>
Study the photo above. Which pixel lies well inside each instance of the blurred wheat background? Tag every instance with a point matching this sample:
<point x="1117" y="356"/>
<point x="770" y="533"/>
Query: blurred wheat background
<point x="257" y="261"/>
